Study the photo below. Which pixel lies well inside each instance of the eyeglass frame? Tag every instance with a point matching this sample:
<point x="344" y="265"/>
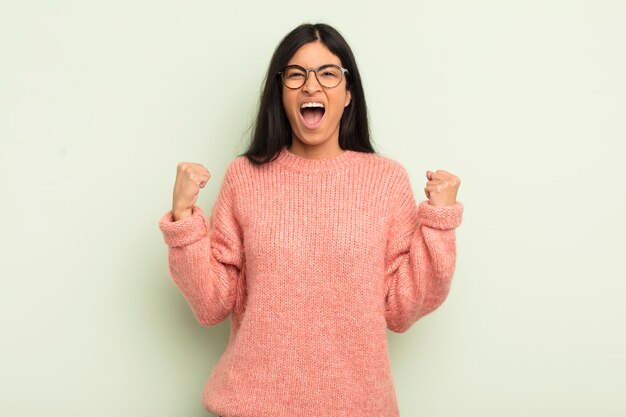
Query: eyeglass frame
<point x="308" y="70"/>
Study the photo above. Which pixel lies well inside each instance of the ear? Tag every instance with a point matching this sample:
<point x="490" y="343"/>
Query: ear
<point x="348" y="98"/>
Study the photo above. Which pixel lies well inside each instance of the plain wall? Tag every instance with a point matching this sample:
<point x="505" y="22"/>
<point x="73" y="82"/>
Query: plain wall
<point x="523" y="100"/>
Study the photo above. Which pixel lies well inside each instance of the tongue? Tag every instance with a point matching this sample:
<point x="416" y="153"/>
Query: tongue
<point x="312" y="115"/>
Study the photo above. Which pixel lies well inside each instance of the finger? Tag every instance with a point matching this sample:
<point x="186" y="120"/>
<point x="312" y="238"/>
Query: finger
<point x="439" y="175"/>
<point x="429" y="175"/>
<point x="435" y="189"/>
<point x="198" y="178"/>
<point x="444" y="175"/>
<point x="437" y="185"/>
<point x="443" y="172"/>
<point x="204" y="179"/>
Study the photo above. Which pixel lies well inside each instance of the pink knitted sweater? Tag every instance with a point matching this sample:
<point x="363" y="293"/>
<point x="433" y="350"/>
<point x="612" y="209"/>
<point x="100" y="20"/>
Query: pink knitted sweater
<point x="315" y="259"/>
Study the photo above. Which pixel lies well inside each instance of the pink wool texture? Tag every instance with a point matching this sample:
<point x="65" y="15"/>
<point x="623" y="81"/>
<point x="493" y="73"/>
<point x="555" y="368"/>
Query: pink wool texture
<point x="315" y="259"/>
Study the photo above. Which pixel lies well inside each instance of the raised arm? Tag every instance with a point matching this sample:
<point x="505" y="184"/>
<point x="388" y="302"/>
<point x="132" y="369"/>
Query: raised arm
<point x="206" y="256"/>
<point x="420" y="258"/>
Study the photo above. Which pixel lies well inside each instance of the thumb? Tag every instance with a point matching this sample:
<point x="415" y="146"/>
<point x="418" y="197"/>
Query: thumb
<point x="429" y="175"/>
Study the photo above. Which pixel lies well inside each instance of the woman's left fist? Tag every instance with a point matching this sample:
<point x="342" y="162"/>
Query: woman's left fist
<point x="441" y="187"/>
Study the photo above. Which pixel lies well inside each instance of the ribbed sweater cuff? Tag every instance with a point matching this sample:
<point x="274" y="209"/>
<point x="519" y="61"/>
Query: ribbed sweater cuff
<point x="185" y="231"/>
<point x="440" y="217"/>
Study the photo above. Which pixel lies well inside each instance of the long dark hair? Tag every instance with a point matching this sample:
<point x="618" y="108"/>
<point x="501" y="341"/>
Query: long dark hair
<point x="272" y="129"/>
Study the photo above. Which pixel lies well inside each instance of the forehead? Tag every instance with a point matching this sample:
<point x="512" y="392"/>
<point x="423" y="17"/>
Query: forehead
<point x="313" y="55"/>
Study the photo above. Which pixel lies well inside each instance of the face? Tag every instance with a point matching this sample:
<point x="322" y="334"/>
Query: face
<point x="306" y="125"/>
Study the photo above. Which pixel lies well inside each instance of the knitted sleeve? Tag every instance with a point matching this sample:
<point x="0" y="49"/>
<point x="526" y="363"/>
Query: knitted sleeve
<point x="420" y="256"/>
<point x="206" y="256"/>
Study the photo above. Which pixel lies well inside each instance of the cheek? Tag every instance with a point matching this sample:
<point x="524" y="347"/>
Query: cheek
<point x="338" y="102"/>
<point x="288" y="104"/>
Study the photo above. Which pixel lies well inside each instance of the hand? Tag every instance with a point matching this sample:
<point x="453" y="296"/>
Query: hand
<point x="190" y="177"/>
<point x="441" y="187"/>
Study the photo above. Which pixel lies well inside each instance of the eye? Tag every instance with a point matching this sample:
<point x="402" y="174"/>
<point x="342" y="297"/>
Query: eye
<point x="294" y="73"/>
<point x="330" y="72"/>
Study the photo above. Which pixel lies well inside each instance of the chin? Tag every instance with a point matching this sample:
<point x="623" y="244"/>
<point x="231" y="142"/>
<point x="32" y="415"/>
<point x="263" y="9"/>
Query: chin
<point x="311" y="138"/>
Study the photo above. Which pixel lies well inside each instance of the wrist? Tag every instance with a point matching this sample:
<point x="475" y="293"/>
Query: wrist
<point x="180" y="214"/>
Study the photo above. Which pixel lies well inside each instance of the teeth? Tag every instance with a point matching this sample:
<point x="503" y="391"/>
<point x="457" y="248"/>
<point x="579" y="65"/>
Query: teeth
<point x="312" y="105"/>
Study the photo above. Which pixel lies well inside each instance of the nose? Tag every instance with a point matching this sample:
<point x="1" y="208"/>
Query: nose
<point x="311" y="84"/>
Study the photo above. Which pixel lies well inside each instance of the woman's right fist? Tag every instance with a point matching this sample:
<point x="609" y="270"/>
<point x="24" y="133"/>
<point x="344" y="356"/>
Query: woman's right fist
<point x="190" y="177"/>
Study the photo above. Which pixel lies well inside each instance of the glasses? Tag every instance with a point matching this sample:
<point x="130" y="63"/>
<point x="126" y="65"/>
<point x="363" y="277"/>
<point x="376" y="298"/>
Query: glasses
<point x="329" y="76"/>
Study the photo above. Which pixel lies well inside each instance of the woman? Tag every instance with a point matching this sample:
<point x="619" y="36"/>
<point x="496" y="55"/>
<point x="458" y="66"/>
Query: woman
<point x="315" y="245"/>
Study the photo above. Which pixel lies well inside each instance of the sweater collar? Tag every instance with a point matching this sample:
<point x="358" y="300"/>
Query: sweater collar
<point x="298" y="163"/>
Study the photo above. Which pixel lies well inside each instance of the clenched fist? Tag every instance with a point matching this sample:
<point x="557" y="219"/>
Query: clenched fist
<point x="190" y="177"/>
<point x="441" y="187"/>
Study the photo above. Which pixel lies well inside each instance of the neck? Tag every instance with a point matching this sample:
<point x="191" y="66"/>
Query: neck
<point x="324" y="150"/>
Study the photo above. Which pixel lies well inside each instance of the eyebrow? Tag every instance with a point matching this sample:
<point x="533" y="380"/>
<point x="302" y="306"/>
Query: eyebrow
<point x="303" y="66"/>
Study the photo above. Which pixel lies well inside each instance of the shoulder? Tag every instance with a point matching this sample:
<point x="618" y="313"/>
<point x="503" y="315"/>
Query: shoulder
<point x="390" y="170"/>
<point x="236" y="169"/>
<point x="387" y="162"/>
<point x="237" y="164"/>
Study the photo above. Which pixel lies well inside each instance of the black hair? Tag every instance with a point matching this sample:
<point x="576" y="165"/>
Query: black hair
<point x="272" y="130"/>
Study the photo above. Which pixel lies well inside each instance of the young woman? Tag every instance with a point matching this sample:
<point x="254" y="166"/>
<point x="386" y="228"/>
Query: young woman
<point x="315" y="244"/>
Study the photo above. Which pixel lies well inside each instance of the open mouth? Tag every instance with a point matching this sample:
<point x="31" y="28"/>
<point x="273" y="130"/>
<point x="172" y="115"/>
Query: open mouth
<point x="312" y="114"/>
